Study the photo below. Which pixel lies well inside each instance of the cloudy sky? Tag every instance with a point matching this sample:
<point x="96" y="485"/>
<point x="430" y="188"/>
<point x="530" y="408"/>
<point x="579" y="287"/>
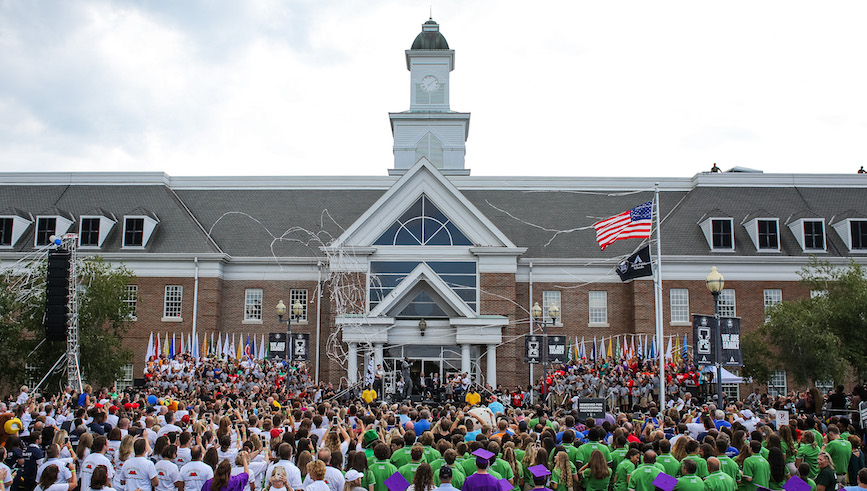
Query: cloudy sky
<point x="268" y="87"/>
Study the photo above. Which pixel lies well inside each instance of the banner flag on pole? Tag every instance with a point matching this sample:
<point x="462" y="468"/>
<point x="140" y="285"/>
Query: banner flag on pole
<point x="668" y="351"/>
<point x="631" y="224"/>
<point x="685" y="352"/>
<point x="636" y="266"/>
<point x="150" y="352"/>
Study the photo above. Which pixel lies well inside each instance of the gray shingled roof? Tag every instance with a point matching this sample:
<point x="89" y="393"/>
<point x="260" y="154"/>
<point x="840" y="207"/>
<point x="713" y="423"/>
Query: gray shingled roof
<point x="239" y="218"/>
<point x="177" y="231"/>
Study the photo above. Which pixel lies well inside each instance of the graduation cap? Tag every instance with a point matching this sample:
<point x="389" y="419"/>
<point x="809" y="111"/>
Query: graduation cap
<point x="795" y="483"/>
<point x="539" y="471"/>
<point x="396" y="482"/>
<point x="504" y="485"/>
<point x="483" y="457"/>
<point x="664" y="482"/>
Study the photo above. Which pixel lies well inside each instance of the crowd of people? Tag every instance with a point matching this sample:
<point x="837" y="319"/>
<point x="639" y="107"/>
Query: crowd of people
<point x="266" y="426"/>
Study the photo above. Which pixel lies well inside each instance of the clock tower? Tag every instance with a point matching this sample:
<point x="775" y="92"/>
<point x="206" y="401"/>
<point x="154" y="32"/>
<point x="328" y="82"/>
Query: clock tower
<point x="430" y="129"/>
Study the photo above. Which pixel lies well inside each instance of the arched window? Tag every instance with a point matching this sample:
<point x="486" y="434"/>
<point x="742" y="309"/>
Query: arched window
<point x="429" y="146"/>
<point x="423" y="224"/>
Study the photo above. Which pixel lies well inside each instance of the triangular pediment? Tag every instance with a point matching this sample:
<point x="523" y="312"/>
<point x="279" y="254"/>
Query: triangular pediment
<point x="423" y="180"/>
<point x="422" y="279"/>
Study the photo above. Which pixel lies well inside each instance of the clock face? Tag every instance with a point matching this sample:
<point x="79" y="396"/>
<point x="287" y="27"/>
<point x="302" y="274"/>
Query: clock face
<point x="430" y="84"/>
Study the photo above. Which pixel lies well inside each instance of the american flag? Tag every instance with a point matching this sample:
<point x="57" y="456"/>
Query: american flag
<point x="631" y="224"/>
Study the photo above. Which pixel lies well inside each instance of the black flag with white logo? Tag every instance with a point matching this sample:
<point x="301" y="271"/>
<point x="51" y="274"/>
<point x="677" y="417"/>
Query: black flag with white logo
<point x="636" y="265"/>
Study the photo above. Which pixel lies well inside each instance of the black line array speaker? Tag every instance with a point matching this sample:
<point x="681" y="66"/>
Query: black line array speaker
<point x="57" y="295"/>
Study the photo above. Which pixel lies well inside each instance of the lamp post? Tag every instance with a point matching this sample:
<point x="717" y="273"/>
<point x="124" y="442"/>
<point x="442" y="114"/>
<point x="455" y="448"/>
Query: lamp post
<point x="715" y="283"/>
<point x="553" y="313"/>
<point x="296" y="312"/>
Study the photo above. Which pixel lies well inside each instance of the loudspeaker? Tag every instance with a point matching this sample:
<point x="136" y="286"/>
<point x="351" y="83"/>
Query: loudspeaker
<point x="57" y="295"/>
<point x="416" y="398"/>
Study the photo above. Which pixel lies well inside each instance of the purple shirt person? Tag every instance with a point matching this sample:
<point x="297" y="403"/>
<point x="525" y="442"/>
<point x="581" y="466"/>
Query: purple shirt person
<point x="223" y="479"/>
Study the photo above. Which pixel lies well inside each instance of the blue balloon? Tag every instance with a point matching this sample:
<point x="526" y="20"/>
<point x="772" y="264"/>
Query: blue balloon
<point x="152" y="399"/>
<point x="58" y="241"/>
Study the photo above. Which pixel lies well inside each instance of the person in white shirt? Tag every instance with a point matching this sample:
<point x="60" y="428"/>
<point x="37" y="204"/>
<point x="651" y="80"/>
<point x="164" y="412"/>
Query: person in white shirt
<point x="139" y="472"/>
<point x="52" y="457"/>
<point x="5" y="471"/>
<point x="195" y="473"/>
<point x="293" y="474"/>
<point x="184" y="454"/>
<point x="96" y="458"/>
<point x="100" y="480"/>
<point x="170" y="426"/>
<point x="49" y="478"/>
<point x="167" y="471"/>
<point x="333" y="477"/>
<point x="23" y="396"/>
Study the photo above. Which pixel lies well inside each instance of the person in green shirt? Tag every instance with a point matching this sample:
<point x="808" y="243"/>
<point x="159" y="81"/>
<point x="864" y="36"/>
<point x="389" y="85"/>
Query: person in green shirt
<point x="448" y="460"/>
<point x="693" y="454"/>
<point x="642" y="477"/>
<point x="840" y="451"/>
<point x="381" y="468"/>
<point x="596" y="473"/>
<point x="564" y="473"/>
<point x="408" y="470"/>
<point x="619" y="450"/>
<point x="757" y="471"/>
<point x="689" y="481"/>
<point x="430" y="453"/>
<point x="594" y="435"/>
<point x="621" y="474"/>
<point x="808" y="452"/>
<point x="670" y="464"/>
<point x="401" y="456"/>
<point x="804" y="473"/>
<point x="568" y="445"/>
<point x="826" y="480"/>
<point x="726" y="463"/>
<point x="779" y="470"/>
<point x="718" y="480"/>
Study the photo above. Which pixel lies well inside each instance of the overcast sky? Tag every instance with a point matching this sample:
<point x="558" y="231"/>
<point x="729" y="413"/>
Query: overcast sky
<point x="267" y="87"/>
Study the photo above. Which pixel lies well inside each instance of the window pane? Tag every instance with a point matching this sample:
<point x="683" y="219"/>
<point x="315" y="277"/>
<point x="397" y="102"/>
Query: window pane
<point x="174" y="296"/>
<point x="548" y="298"/>
<point x="777" y="383"/>
<point x="768" y="238"/>
<point x="727" y="303"/>
<point x="5" y="231"/>
<point x="858" y="229"/>
<point x="299" y="296"/>
<point x="722" y="234"/>
<point x="89" y="232"/>
<point x="134" y="232"/>
<point x="45" y="228"/>
<point x="131" y="299"/>
<point x="814" y="235"/>
<point x="679" y="304"/>
<point x="423" y="224"/>
<point x="253" y="304"/>
<point x="598" y="302"/>
<point x="773" y="297"/>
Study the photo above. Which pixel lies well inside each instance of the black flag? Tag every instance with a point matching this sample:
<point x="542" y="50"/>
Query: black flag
<point x="636" y="265"/>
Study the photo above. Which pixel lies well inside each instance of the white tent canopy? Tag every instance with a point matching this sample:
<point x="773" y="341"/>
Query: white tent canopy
<point x="727" y="376"/>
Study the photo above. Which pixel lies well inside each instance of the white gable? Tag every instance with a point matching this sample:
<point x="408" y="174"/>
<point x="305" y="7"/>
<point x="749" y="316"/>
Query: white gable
<point x="406" y="290"/>
<point x="422" y="178"/>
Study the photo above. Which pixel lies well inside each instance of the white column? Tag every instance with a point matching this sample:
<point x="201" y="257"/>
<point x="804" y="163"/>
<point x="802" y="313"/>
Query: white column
<point x="377" y="354"/>
<point x="466" y="366"/>
<point x="492" y="366"/>
<point x="352" y="369"/>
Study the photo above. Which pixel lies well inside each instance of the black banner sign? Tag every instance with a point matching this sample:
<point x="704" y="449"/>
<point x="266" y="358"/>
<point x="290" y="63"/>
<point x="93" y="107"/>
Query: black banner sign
<point x="277" y="345"/>
<point x="300" y="347"/>
<point x="591" y="408"/>
<point x="730" y="328"/>
<point x="533" y="349"/>
<point x="557" y="349"/>
<point x="705" y="338"/>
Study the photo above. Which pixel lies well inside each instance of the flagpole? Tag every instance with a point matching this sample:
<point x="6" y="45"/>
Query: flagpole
<point x="657" y="295"/>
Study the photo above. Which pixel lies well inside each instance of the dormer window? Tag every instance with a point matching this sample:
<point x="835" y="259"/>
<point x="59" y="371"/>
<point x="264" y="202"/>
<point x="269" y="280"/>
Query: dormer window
<point x="138" y="229"/>
<point x="95" y="227"/>
<point x="814" y="235"/>
<point x="47" y="225"/>
<point x="719" y="232"/>
<point x="852" y="229"/>
<point x="13" y="223"/>
<point x="763" y="231"/>
<point x="810" y="233"/>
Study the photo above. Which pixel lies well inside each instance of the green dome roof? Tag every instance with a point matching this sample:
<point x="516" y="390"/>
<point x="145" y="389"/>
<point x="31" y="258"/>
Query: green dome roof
<point x="430" y="37"/>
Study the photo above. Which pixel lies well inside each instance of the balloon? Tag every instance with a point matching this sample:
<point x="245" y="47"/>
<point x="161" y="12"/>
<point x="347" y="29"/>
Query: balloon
<point x="152" y="399"/>
<point x="13" y="426"/>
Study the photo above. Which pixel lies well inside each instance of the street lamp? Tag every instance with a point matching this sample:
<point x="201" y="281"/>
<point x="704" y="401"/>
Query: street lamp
<point x="715" y="283"/>
<point x="553" y="313"/>
<point x="296" y="312"/>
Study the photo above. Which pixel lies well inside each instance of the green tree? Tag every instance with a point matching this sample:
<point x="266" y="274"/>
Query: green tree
<point x="818" y="338"/>
<point x="103" y="320"/>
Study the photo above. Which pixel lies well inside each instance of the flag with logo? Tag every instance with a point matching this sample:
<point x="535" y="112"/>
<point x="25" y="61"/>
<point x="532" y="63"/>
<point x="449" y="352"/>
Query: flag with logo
<point x="631" y="224"/>
<point x="636" y="266"/>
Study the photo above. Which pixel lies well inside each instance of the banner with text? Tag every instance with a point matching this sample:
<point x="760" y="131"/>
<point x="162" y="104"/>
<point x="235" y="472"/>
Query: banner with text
<point x="277" y="345"/>
<point x="703" y="332"/>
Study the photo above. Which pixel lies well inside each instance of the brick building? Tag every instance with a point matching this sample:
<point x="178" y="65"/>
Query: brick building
<point x="369" y="258"/>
